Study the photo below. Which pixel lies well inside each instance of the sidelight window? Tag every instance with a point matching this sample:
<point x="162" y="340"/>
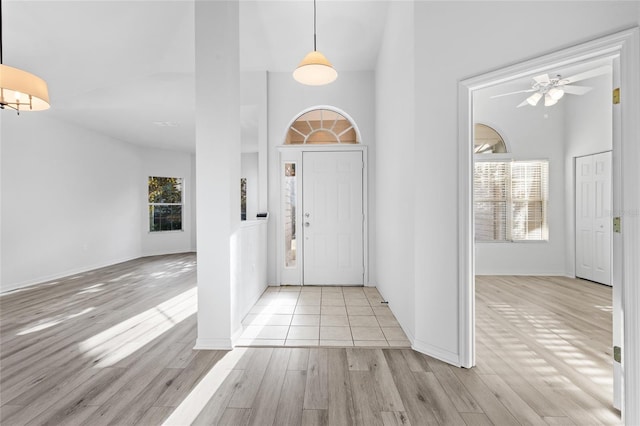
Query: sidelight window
<point x="290" y="204"/>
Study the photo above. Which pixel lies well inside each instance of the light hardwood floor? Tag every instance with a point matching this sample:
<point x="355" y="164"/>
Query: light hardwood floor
<point x="114" y="346"/>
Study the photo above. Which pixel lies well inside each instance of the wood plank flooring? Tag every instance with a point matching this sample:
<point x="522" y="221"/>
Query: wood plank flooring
<point x="114" y="346"/>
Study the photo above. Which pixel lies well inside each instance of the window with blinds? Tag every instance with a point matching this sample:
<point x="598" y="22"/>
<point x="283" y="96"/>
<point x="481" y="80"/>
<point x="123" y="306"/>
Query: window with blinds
<point x="510" y="200"/>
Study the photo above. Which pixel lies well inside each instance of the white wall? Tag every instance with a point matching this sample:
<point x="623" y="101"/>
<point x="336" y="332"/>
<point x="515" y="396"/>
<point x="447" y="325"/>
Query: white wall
<point x="588" y="130"/>
<point x="70" y="202"/>
<point x="168" y="164"/>
<point x="531" y="133"/>
<point x="75" y="200"/>
<point x="249" y="252"/>
<point x="394" y="180"/>
<point x="352" y="92"/>
<point x="454" y="41"/>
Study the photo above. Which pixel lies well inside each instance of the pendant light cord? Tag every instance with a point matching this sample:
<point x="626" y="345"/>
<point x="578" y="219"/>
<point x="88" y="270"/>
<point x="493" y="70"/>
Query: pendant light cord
<point x="314" y="25"/>
<point x="2" y="30"/>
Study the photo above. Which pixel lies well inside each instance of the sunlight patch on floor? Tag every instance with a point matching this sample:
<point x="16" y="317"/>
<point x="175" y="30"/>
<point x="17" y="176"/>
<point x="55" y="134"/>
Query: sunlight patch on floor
<point x="192" y="405"/>
<point x="123" y="339"/>
<point x="53" y="322"/>
<point x="92" y="289"/>
<point x="121" y="277"/>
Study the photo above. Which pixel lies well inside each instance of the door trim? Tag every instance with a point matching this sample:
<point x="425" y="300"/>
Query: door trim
<point x="624" y="45"/>
<point x="295" y="151"/>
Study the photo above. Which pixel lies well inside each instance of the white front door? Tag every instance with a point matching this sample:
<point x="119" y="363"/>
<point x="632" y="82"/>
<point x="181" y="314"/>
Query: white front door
<point x="333" y="218"/>
<point x="593" y="217"/>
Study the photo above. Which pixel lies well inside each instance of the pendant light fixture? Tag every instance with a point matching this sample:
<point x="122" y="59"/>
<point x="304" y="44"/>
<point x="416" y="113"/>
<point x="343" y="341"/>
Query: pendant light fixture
<point x="20" y="90"/>
<point x="315" y="69"/>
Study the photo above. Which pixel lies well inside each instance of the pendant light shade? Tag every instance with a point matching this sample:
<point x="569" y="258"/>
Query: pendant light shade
<point x="315" y="69"/>
<point x="20" y="90"/>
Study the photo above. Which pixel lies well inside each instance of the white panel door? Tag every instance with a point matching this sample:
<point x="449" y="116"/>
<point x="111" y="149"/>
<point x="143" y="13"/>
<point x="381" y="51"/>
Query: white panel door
<point x="333" y="218"/>
<point x="593" y="217"/>
<point x="602" y="223"/>
<point x="585" y="207"/>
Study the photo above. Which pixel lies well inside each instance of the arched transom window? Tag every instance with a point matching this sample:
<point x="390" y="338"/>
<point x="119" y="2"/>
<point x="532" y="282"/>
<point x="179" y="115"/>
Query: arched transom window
<point x="322" y="126"/>
<point x="487" y="140"/>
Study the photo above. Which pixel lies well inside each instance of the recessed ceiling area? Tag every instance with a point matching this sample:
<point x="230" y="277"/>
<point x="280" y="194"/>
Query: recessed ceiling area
<point x="122" y="67"/>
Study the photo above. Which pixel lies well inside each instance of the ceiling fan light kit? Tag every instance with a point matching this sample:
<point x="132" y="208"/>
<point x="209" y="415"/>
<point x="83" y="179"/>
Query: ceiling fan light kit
<point x="20" y="90"/>
<point x="549" y="88"/>
<point x="555" y="93"/>
<point x="554" y="89"/>
<point x="548" y="100"/>
<point x="315" y="69"/>
<point x="534" y="99"/>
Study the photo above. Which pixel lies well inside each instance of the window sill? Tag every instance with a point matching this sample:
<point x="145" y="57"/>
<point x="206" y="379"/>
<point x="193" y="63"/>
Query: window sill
<point x="514" y="242"/>
<point x="165" y="232"/>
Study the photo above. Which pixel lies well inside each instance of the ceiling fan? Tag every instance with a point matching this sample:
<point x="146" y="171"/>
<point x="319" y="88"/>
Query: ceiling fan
<point x="552" y="89"/>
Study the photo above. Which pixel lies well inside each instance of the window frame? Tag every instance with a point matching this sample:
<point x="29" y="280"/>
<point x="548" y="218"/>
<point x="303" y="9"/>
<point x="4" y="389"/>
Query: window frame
<point x="510" y="201"/>
<point x="181" y="204"/>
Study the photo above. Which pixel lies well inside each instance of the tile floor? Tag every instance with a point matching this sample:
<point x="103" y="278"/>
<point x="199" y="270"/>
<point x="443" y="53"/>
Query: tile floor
<point x="321" y="316"/>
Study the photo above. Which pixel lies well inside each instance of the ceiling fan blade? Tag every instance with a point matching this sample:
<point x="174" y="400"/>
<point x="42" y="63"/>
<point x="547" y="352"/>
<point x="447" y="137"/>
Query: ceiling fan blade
<point x="542" y="79"/>
<point x="523" y="103"/>
<point x="588" y="74"/>
<point x="513" y="93"/>
<point x="576" y="90"/>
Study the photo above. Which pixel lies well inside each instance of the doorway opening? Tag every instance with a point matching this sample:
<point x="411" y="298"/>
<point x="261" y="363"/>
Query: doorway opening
<point x="534" y="321"/>
<point x="617" y="49"/>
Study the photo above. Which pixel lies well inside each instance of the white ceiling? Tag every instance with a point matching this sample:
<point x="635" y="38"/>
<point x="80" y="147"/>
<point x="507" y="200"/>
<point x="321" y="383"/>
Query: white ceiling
<point x="126" y="68"/>
<point x="600" y="66"/>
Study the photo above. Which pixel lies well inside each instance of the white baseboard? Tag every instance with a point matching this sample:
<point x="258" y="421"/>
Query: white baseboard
<point x="213" y="345"/>
<point x="45" y="280"/>
<point x="152" y="253"/>
<point x="524" y="273"/>
<point x="437" y="353"/>
<point x="236" y="335"/>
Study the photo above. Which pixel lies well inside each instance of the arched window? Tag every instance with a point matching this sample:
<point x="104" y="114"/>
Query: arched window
<point x="487" y="141"/>
<point x="322" y="126"/>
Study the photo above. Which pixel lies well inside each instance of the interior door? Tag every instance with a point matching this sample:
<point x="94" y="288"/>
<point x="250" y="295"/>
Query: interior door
<point x="333" y="218"/>
<point x="593" y="217"/>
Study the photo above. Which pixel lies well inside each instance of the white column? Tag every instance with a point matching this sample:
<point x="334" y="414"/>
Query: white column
<point x="217" y="165"/>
